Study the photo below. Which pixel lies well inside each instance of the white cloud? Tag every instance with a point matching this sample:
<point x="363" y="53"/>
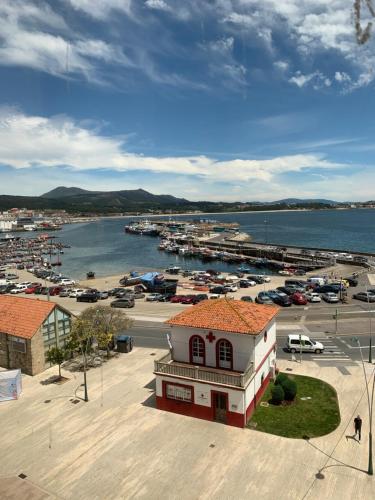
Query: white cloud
<point x="26" y="41"/>
<point x="158" y="5"/>
<point x="281" y="65"/>
<point x="101" y="9"/>
<point x="35" y="141"/>
<point x="317" y="79"/>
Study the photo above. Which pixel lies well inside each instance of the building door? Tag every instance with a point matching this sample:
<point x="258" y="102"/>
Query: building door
<point x="220" y="406"/>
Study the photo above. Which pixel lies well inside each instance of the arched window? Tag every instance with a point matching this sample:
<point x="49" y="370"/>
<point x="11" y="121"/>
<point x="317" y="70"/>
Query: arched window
<point x="197" y="350"/>
<point x="224" y="354"/>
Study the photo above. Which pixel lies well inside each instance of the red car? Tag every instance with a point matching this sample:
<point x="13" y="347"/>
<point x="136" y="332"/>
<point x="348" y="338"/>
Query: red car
<point x="189" y="299"/>
<point x="31" y="288"/>
<point x="55" y="290"/>
<point x="299" y="299"/>
<point x="176" y="299"/>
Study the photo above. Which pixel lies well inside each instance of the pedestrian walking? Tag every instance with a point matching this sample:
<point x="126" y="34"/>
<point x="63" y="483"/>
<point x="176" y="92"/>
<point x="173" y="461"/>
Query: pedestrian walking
<point x="358" y="427"/>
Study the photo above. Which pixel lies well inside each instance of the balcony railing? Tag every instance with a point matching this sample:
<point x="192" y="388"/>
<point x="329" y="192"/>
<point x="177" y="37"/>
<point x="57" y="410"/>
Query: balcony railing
<point x="167" y="366"/>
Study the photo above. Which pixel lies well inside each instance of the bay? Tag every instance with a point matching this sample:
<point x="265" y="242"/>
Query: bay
<point x="104" y="247"/>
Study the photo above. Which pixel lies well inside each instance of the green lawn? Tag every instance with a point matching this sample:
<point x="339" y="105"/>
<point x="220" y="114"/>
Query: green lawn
<point x="313" y="417"/>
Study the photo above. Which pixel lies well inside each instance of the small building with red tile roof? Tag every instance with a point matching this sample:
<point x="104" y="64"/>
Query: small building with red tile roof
<point x="28" y="328"/>
<point x="222" y="356"/>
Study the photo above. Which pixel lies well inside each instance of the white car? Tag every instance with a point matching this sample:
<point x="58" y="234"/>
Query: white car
<point x="251" y="283"/>
<point x="77" y="292"/>
<point x="313" y="297"/>
<point x="297" y="343"/>
<point x="330" y="297"/>
<point x="230" y="288"/>
<point x="66" y="281"/>
<point x="24" y="283"/>
<point x="19" y="289"/>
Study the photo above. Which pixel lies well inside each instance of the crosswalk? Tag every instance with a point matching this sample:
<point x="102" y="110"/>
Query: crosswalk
<point x="333" y="353"/>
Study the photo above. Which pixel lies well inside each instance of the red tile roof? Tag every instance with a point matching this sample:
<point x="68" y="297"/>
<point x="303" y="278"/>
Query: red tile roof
<point x="22" y="317"/>
<point x="235" y="316"/>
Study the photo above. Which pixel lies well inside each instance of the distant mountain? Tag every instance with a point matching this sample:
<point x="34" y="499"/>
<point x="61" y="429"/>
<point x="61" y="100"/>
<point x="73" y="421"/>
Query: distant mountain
<point x="297" y="201"/>
<point x="62" y="192"/>
<point x="81" y="201"/>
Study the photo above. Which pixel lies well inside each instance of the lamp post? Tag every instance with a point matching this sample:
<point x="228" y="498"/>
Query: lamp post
<point x="370" y="320"/>
<point x="370" y="404"/>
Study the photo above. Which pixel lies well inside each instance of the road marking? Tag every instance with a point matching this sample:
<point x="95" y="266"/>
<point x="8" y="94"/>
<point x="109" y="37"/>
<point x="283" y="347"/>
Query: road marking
<point x="331" y="359"/>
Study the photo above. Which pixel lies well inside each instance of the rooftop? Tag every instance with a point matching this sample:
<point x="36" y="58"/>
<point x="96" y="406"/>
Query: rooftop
<point x="22" y="317"/>
<point x="234" y="316"/>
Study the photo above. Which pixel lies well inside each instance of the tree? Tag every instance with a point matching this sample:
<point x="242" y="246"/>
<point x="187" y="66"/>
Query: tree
<point x="277" y="393"/>
<point x="82" y="336"/>
<point x="290" y="389"/>
<point x="56" y="356"/>
<point x="105" y="323"/>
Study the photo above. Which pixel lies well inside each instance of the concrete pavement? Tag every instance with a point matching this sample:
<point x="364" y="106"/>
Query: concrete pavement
<point x="119" y="446"/>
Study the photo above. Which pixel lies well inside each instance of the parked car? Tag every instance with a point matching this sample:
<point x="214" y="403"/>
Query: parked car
<point x="230" y="288"/>
<point x="285" y="289"/>
<point x="55" y="290"/>
<point x="327" y="289"/>
<point x="153" y="297"/>
<point x="123" y="303"/>
<point x="189" y="299"/>
<point x="87" y="297"/>
<point x="330" y="297"/>
<point x="263" y="298"/>
<point x="257" y="279"/>
<point x="31" y="289"/>
<point x="246" y="298"/>
<point x="137" y="295"/>
<point x="298" y="299"/>
<point x="298" y="283"/>
<point x="64" y="292"/>
<point x="297" y="343"/>
<point x="365" y="296"/>
<point x="244" y="284"/>
<point x="19" y="289"/>
<point x="279" y="298"/>
<point x="313" y="297"/>
<point x="11" y="276"/>
<point x="201" y="296"/>
<point x="76" y="292"/>
<point x="176" y="299"/>
<point x="65" y="282"/>
<point x="352" y="281"/>
<point x="165" y="297"/>
<point x="41" y="290"/>
<point x="103" y="295"/>
<point x="113" y="291"/>
<point x="218" y="290"/>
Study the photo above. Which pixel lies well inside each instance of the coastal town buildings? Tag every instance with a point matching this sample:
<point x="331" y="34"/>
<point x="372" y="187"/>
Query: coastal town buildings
<point x="222" y="356"/>
<point x="28" y="328"/>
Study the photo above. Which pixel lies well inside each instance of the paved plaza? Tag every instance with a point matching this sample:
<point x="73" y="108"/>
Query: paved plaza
<point x="119" y="446"/>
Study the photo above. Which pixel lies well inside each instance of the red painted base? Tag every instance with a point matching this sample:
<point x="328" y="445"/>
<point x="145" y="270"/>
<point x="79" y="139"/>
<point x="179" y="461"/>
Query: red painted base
<point x="197" y="411"/>
<point x="250" y="409"/>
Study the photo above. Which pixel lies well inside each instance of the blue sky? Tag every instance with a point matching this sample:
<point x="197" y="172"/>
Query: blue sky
<point x="206" y="99"/>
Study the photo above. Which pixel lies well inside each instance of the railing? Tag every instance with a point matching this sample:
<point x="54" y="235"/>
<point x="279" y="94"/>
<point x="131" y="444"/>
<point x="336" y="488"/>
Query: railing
<point x="167" y="366"/>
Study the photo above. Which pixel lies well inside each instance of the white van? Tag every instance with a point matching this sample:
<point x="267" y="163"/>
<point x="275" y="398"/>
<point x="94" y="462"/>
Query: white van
<point x="316" y="280"/>
<point x="296" y="343"/>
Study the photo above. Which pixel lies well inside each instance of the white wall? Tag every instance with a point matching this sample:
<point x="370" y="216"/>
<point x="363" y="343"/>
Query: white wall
<point x="243" y="346"/>
<point x="202" y="393"/>
<point x="262" y="347"/>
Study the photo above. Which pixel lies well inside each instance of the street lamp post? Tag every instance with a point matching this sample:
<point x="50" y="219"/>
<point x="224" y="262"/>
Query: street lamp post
<point x="370" y="404"/>
<point x="370" y="320"/>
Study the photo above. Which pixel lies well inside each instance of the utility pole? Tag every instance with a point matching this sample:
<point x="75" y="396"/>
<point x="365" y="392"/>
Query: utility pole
<point x="370" y="404"/>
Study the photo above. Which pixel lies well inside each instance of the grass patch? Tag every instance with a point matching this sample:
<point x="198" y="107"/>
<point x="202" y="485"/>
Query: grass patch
<point x="313" y="417"/>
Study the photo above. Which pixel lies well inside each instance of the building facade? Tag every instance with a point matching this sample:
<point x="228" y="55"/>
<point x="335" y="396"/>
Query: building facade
<point x="28" y="328"/>
<point x="222" y="356"/>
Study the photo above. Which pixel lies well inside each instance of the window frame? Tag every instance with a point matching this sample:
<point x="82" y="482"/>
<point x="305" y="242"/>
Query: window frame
<point x="191" y="348"/>
<point x="218" y="343"/>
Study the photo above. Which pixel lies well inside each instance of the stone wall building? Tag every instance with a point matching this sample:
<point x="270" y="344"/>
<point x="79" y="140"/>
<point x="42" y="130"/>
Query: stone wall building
<point x="28" y="328"/>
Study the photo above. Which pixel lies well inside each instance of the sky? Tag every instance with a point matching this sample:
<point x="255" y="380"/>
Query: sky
<point x="222" y="100"/>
